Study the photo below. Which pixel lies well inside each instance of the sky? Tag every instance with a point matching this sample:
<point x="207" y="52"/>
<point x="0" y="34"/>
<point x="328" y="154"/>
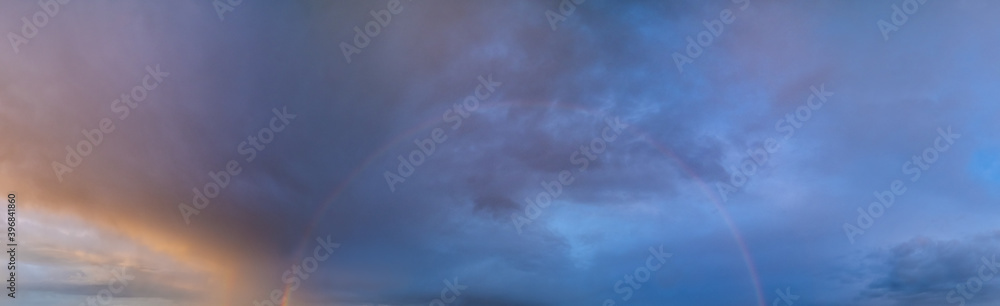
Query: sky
<point x="445" y="152"/>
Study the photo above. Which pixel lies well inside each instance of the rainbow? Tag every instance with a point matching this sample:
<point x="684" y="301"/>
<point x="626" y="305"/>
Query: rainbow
<point x="734" y="230"/>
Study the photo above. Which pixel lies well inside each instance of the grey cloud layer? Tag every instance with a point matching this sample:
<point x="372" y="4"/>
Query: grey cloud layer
<point x="452" y="217"/>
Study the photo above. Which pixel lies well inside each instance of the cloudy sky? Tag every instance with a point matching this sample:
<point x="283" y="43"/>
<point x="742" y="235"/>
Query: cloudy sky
<point x="724" y="152"/>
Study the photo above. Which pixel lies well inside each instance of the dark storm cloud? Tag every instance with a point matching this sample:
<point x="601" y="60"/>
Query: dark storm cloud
<point x="324" y="174"/>
<point x="924" y="271"/>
